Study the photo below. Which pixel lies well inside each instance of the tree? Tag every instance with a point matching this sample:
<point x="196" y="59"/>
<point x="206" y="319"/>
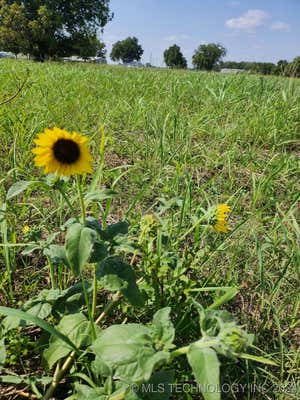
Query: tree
<point x="207" y="56"/>
<point x="174" y="58"/>
<point x="127" y="50"/>
<point x="13" y="27"/>
<point x="53" y="27"/>
<point x="88" y="46"/>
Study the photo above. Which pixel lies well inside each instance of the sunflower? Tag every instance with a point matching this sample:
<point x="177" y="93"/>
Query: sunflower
<point x="221" y="218"/>
<point x="62" y="152"/>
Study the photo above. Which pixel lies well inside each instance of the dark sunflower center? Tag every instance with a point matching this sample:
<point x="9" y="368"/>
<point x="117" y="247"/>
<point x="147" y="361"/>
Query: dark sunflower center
<point x="66" y="151"/>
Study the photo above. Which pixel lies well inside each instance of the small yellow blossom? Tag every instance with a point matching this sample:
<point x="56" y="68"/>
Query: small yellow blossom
<point x="221" y="216"/>
<point x="25" y="229"/>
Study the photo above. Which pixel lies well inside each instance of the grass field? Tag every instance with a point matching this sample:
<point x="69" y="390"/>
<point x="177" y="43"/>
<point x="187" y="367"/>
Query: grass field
<point x="176" y="142"/>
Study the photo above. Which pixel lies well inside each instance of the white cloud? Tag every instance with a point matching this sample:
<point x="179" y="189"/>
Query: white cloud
<point x="248" y="21"/>
<point x="173" y="38"/>
<point x="280" y="26"/>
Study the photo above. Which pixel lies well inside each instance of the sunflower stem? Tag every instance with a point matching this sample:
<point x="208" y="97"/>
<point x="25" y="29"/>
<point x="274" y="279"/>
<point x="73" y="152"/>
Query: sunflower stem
<point x="81" y="199"/>
<point x="95" y="289"/>
<point x="88" y="307"/>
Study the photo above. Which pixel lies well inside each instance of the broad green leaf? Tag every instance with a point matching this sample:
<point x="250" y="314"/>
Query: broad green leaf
<point x="114" y="274"/>
<point x="113" y="283"/>
<point x="68" y="223"/>
<point x="125" y="391"/>
<point x="120" y="228"/>
<point x="123" y="244"/>
<point x="128" y="350"/>
<point x="39" y="306"/>
<point x="99" y="368"/>
<point x="40" y="309"/>
<point x="39" y="322"/>
<point x="56" y="254"/>
<point x="206" y="368"/>
<point x="79" y="246"/>
<point x="46" y="295"/>
<point x="99" y="252"/>
<point x="77" y="328"/>
<point x="160" y="384"/>
<point x="71" y="300"/>
<point x="85" y="392"/>
<point x="162" y="329"/>
<point x="94" y="224"/>
<point x="20" y="187"/>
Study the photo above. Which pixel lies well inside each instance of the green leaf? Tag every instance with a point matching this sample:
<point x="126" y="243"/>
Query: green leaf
<point x="99" y="368"/>
<point x="40" y="306"/>
<point x="11" y="379"/>
<point x="39" y="309"/>
<point x="162" y="329"/>
<point x="79" y="246"/>
<point x="114" y="274"/>
<point x="120" y="228"/>
<point x="99" y="195"/>
<point x="20" y="187"/>
<point x="74" y="326"/>
<point x="94" y="224"/>
<point x="16" y="379"/>
<point x="211" y="321"/>
<point x="99" y="252"/>
<point x="71" y="300"/>
<point x="230" y="293"/>
<point x="128" y="350"/>
<point x="85" y="392"/>
<point x="56" y="254"/>
<point x="160" y="386"/>
<point x="39" y="322"/>
<point x="206" y="368"/>
<point x="30" y="249"/>
<point x="259" y="359"/>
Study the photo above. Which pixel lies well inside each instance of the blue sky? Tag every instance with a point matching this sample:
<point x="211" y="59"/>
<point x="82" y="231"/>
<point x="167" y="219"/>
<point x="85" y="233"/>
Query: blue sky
<point x="251" y="30"/>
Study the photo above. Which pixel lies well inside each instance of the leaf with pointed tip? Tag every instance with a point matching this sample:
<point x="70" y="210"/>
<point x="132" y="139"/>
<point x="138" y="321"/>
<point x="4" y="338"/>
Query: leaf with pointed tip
<point x="206" y="368"/>
<point x="79" y="246"/>
<point x="20" y="187"/>
<point x="128" y="350"/>
<point x="114" y="274"/>
<point x="162" y="329"/>
<point x="77" y="328"/>
<point x="39" y="322"/>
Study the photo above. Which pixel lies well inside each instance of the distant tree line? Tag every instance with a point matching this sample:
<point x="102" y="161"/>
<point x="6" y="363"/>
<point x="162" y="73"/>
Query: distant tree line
<point x="283" y="67"/>
<point x="209" y="56"/>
